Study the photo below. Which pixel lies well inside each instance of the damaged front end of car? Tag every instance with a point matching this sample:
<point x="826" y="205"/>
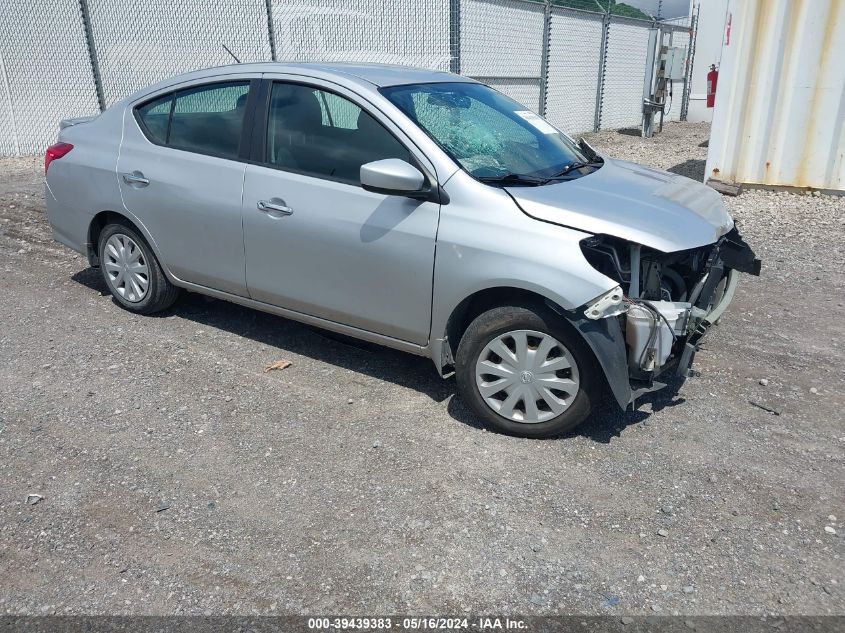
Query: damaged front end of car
<point x="665" y="302"/>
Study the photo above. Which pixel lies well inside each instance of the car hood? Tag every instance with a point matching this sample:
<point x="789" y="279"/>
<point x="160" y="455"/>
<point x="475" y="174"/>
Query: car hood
<point x="648" y="206"/>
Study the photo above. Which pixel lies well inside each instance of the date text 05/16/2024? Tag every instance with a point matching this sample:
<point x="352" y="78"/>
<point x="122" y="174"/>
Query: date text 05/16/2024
<point x="416" y="623"/>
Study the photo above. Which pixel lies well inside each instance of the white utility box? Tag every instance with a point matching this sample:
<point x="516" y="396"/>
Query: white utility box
<point x="676" y="61"/>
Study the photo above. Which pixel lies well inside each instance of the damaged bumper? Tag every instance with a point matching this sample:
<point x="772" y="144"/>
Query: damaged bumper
<point x="672" y="300"/>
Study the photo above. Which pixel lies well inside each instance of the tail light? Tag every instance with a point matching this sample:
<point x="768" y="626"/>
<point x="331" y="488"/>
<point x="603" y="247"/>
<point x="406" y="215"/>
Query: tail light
<point x="55" y="151"/>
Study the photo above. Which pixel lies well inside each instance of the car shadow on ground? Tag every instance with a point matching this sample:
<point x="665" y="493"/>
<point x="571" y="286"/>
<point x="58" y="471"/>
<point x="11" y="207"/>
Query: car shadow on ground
<point x="375" y="361"/>
<point x="406" y="370"/>
<point x="690" y="168"/>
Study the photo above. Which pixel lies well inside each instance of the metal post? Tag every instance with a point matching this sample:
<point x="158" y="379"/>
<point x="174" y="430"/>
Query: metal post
<point x="92" y="53"/>
<point x="544" y="61"/>
<point x="605" y="33"/>
<point x="271" y="31"/>
<point x="662" y="64"/>
<point x="690" y="61"/>
<point x="455" y="36"/>
<point x="7" y="90"/>
<point x="654" y="42"/>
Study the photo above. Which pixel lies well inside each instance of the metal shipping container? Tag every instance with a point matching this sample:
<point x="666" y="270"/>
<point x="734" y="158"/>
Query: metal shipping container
<point x="780" y="101"/>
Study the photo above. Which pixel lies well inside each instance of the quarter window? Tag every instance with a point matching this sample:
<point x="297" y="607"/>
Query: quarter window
<point x="156" y="117"/>
<point x="322" y="134"/>
<point x="206" y="119"/>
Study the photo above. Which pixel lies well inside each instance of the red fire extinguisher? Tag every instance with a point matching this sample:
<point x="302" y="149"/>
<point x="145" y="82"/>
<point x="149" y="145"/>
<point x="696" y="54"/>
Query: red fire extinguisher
<point x="712" y="78"/>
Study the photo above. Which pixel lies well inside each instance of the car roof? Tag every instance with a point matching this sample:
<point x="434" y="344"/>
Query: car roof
<point x="383" y="75"/>
<point x="379" y="75"/>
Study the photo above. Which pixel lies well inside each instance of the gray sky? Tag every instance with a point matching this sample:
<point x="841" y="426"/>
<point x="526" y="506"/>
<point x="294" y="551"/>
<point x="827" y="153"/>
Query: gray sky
<point x="670" y="8"/>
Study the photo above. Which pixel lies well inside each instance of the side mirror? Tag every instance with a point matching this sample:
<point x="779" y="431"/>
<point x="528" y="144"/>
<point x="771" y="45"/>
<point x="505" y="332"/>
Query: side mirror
<point x="393" y="177"/>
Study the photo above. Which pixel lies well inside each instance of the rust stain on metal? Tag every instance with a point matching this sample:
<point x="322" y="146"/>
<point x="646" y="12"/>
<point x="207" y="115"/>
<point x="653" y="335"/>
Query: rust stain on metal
<point x="801" y="177"/>
<point x="775" y="150"/>
<point x="748" y="107"/>
<point x="833" y="19"/>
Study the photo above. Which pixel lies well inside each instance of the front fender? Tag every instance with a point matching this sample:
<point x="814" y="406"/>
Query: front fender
<point x="604" y="336"/>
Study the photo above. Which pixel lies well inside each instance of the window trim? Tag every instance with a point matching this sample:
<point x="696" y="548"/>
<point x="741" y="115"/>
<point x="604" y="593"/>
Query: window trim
<point x="261" y="122"/>
<point x="244" y="142"/>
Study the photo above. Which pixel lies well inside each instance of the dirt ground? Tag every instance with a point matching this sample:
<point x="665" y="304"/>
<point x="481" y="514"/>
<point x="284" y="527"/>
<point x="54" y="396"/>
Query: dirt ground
<point x="178" y="477"/>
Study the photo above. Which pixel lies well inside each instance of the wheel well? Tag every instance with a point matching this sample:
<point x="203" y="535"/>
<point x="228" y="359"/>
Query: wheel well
<point x="98" y="223"/>
<point x="483" y="300"/>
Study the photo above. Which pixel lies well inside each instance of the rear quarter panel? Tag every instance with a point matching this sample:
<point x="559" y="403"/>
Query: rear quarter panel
<point x="84" y="182"/>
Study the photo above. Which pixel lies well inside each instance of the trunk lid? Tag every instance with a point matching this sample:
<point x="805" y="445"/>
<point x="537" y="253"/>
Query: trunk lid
<point x="64" y="123"/>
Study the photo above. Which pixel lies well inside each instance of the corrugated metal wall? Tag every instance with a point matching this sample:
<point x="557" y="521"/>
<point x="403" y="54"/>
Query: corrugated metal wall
<point x="780" y="101"/>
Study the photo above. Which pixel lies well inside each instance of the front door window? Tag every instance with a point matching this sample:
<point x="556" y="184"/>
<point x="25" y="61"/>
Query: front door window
<point x="321" y="134"/>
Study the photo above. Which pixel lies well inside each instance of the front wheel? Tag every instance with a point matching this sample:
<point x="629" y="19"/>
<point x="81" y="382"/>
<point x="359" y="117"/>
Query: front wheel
<point x="526" y="372"/>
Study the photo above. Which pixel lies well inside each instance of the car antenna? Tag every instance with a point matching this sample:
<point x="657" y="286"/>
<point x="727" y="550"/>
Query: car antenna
<point x="231" y="53"/>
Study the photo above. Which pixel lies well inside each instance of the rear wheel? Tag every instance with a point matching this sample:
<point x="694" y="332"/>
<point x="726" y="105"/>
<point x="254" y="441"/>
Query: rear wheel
<point x="526" y="372"/>
<point x="132" y="272"/>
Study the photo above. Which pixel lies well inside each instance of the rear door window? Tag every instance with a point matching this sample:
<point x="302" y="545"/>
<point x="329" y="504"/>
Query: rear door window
<point x="205" y="119"/>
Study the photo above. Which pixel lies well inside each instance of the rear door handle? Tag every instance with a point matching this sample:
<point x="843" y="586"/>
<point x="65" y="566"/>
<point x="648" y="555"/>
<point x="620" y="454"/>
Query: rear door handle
<point x="275" y="208"/>
<point x="135" y="178"/>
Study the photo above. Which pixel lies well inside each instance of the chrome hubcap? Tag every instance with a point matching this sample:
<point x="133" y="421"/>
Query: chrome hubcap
<point x="126" y="268"/>
<point x="527" y="376"/>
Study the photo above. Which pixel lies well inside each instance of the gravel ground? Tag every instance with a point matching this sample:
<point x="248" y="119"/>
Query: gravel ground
<point x="177" y="476"/>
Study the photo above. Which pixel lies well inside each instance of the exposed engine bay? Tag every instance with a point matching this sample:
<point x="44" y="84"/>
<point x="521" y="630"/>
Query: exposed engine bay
<point x="668" y="300"/>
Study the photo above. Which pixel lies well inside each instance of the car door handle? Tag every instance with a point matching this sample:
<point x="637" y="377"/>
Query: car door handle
<point x="135" y="178"/>
<point x="275" y="209"/>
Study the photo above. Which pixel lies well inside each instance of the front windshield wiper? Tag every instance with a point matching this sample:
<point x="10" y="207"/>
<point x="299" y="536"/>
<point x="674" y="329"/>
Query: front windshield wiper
<point x="513" y="179"/>
<point x="573" y="166"/>
<point x="525" y="179"/>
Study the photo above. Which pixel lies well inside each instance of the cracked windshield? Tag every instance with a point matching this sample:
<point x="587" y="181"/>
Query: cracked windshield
<point x="488" y="134"/>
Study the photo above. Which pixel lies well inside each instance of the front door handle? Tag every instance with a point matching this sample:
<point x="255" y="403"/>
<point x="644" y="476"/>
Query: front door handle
<point x="135" y="178"/>
<point x="275" y="208"/>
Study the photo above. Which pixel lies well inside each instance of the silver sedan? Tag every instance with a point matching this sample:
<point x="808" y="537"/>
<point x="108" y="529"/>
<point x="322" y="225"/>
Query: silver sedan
<point x="416" y="209"/>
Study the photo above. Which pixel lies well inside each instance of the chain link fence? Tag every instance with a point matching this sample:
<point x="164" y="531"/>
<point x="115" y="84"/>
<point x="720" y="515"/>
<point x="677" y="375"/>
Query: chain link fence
<point x="574" y="69"/>
<point x="624" y="73"/>
<point x="46" y="72"/>
<point x="64" y="58"/>
<point x="412" y="33"/>
<point x="139" y="43"/>
<point x="502" y="46"/>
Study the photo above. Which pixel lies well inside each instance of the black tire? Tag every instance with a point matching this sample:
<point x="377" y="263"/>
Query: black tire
<point x="497" y="321"/>
<point x="160" y="293"/>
